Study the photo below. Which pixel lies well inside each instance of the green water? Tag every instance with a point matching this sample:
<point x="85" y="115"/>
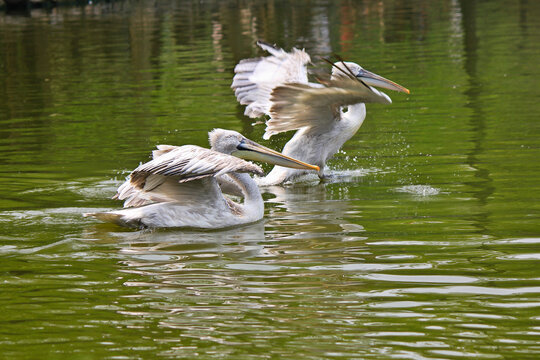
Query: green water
<point x="426" y="247"/>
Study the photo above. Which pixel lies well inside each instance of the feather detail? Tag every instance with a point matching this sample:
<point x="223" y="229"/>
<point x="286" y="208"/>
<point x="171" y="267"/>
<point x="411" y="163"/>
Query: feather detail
<point x="255" y="78"/>
<point x="178" y="165"/>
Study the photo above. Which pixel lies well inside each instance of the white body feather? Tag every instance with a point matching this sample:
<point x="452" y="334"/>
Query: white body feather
<point x="211" y="211"/>
<point x="278" y="86"/>
<point x="179" y="188"/>
<point x="317" y="148"/>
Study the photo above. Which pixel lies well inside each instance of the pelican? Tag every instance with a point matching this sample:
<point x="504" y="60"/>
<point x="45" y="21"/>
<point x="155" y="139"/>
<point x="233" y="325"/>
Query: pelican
<point x="179" y="186"/>
<point x="325" y="114"/>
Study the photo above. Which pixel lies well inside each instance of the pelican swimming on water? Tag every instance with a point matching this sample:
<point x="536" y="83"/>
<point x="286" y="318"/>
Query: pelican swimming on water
<point x="179" y="186"/>
<point x="325" y="114"/>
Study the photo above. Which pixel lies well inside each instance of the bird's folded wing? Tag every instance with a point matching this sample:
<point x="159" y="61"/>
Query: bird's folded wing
<point x="162" y="149"/>
<point x="255" y="78"/>
<point x="180" y="174"/>
<point x="296" y="106"/>
<point x="169" y="190"/>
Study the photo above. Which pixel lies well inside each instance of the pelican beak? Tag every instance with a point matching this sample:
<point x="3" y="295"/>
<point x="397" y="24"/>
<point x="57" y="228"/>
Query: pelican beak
<point x="250" y="150"/>
<point x="372" y="79"/>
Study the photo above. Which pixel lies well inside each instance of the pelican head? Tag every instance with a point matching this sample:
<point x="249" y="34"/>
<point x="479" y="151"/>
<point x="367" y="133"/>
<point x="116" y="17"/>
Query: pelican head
<point x="347" y="69"/>
<point x="233" y="143"/>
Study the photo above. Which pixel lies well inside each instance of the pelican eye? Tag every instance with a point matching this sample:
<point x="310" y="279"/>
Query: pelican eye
<point x="240" y="145"/>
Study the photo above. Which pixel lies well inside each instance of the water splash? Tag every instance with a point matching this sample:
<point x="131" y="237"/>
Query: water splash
<point x="419" y="190"/>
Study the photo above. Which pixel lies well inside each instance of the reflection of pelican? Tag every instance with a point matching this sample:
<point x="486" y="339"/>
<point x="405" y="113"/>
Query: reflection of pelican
<point x="326" y="115"/>
<point x="293" y="209"/>
<point x="237" y="241"/>
<point x="178" y="188"/>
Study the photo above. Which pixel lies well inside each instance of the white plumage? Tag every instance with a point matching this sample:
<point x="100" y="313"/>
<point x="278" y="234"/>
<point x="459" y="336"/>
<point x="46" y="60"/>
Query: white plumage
<point x="179" y="186"/>
<point x="326" y="114"/>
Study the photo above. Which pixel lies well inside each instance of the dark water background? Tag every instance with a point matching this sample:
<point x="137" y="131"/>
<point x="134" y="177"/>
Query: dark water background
<point x="428" y="247"/>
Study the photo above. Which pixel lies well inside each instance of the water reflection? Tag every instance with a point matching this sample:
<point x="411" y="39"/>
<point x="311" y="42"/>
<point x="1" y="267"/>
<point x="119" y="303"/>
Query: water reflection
<point x="307" y="210"/>
<point x="429" y="253"/>
<point x="158" y="239"/>
<point x="474" y="94"/>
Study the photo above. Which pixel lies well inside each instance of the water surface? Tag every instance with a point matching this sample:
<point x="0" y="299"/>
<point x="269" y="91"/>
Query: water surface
<point x="425" y="245"/>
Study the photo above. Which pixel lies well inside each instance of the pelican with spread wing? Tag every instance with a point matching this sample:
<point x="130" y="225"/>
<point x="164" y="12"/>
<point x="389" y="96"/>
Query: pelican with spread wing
<point x="325" y="114"/>
<point x="180" y="186"/>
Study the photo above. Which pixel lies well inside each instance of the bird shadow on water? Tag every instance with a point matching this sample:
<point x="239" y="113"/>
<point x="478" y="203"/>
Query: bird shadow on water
<point x="169" y="248"/>
<point x="106" y="233"/>
<point x="308" y="209"/>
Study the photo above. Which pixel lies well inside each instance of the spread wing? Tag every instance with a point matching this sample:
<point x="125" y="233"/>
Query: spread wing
<point x="294" y="106"/>
<point x="255" y="78"/>
<point x="278" y="86"/>
<point x="183" y="173"/>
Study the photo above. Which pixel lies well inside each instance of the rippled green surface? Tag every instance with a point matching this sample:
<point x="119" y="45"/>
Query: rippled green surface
<point x="425" y="247"/>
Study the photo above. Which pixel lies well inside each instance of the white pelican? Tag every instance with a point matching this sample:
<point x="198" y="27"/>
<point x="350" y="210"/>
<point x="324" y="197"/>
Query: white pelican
<point x="326" y="115"/>
<point x="179" y="187"/>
